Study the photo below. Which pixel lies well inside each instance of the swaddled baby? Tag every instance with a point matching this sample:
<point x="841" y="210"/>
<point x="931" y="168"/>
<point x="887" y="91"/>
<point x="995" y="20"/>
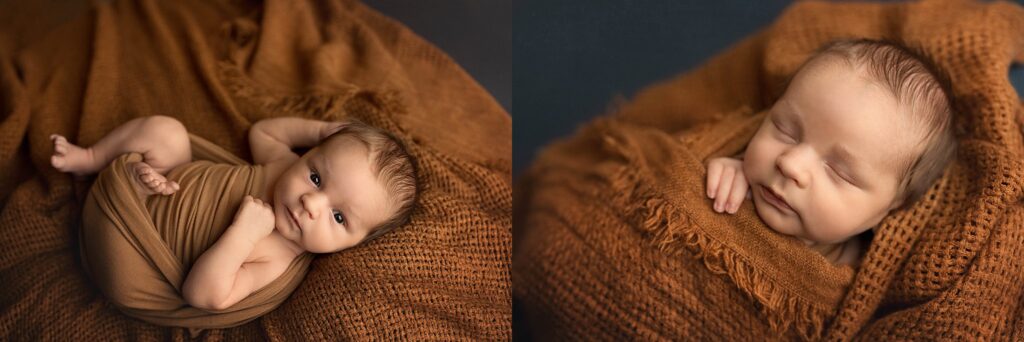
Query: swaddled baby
<point x="863" y="128"/>
<point x="355" y="184"/>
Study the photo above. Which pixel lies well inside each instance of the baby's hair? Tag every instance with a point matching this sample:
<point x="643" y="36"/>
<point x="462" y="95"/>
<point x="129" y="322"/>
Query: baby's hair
<point x="920" y="87"/>
<point x="392" y="165"/>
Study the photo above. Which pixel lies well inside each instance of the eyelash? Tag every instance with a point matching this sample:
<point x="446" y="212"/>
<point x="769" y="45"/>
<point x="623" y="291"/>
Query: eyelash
<point x="830" y="168"/>
<point x="338" y="217"/>
<point x="779" y="128"/>
<point x="840" y="176"/>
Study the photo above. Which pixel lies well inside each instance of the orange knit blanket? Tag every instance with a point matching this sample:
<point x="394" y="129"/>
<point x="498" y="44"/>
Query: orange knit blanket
<point x="615" y="238"/>
<point x="218" y="67"/>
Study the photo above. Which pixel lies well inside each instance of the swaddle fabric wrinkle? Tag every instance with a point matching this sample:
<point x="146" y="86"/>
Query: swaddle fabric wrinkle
<point x="139" y="252"/>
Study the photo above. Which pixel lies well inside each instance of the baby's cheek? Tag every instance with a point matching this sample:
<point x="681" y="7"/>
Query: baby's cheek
<point x="756" y="158"/>
<point x="830" y="223"/>
<point x="319" y="241"/>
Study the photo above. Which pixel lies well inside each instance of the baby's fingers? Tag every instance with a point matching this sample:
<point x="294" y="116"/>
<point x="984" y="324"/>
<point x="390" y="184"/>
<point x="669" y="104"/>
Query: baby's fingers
<point x="724" y="188"/>
<point x="739" y="191"/>
<point x="714" y="176"/>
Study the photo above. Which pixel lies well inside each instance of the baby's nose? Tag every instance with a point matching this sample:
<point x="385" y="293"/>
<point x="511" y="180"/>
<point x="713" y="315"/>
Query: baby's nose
<point x="312" y="202"/>
<point x="791" y="165"/>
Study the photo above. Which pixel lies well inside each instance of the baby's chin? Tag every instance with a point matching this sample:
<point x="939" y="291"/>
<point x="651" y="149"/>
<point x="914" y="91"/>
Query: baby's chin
<point x="282" y="222"/>
<point x="775" y="221"/>
<point x="786" y="225"/>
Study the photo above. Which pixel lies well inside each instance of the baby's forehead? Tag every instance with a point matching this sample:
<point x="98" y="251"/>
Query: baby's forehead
<point x="345" y="158"/>
<point x="897" y="154"/>
<point x="350" y="173"/>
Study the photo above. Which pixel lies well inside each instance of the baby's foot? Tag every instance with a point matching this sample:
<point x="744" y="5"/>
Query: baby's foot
<point x="148" y="181"/>
<point x="68" y="157"/>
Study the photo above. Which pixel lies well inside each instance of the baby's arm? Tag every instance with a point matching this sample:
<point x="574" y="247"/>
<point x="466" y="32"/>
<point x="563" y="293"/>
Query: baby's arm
<point x="273" y="139"/>
<point x="726" y="184"/>
<point x="221" y="276"/>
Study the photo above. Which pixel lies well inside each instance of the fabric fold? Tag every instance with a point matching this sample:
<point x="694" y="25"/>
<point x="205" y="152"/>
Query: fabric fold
<point x="80" y="70"/>
<point x="139" y="251"/>
<point x="643" y="187"/>
<point x="616" y="238"/>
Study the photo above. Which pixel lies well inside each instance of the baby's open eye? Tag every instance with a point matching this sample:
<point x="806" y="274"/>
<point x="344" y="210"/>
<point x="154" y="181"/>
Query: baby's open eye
<point x="338" y="217"/>
<point x="314" y="177"/>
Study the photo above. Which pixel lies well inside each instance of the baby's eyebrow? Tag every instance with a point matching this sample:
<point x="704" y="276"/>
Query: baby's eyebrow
<point x="327" y="165"/>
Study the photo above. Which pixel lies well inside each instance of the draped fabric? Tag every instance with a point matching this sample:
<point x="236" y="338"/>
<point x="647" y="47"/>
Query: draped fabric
<point x="139" y="252"/>
<point x="219" y="66"/>
<point x="615" y="237"/>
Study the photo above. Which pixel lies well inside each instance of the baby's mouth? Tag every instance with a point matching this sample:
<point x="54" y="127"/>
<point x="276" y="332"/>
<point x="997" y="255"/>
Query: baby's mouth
<point x="295" y="220"/>
<point x="775" y="200"/>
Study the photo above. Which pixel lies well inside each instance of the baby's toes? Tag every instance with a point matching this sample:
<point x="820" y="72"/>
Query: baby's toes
<point x="58" y="139"/>
<point x="156" y="184"/>
<point x="58" y="161"/>
<point x="142" y="169"/>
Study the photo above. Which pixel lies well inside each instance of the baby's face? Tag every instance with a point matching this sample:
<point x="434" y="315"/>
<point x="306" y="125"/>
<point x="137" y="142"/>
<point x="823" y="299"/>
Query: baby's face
<point x="829" y="148"/>
<point x="330" y="199"/>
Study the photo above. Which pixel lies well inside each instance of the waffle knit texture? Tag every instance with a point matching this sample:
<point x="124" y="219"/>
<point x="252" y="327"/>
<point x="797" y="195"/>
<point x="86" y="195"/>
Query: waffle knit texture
<point x="616" y="239"/>
<point x="218" y="67"/>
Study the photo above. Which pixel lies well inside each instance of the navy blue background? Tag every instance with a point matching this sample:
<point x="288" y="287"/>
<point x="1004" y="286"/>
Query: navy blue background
<point x="571" y="58"/>
<point x="477" y="34"/>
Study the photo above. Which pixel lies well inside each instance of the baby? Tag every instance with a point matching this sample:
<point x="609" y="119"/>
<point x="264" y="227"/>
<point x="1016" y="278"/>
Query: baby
<point x="356" y="184"/>
<point x="863" y="128"/>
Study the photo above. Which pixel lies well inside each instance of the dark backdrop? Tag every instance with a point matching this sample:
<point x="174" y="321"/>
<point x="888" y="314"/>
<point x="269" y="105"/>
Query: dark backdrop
<point x="571" y="58"/>
<point x="477" y="34"/>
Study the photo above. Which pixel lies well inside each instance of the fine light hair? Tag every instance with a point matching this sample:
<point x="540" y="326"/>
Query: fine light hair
<point x="392" y="166"/>
<point x="922" y="91"/>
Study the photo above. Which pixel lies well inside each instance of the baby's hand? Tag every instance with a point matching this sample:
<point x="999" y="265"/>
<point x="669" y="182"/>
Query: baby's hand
<point x="255" y="218"/>
<point x="726" y="184"/>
